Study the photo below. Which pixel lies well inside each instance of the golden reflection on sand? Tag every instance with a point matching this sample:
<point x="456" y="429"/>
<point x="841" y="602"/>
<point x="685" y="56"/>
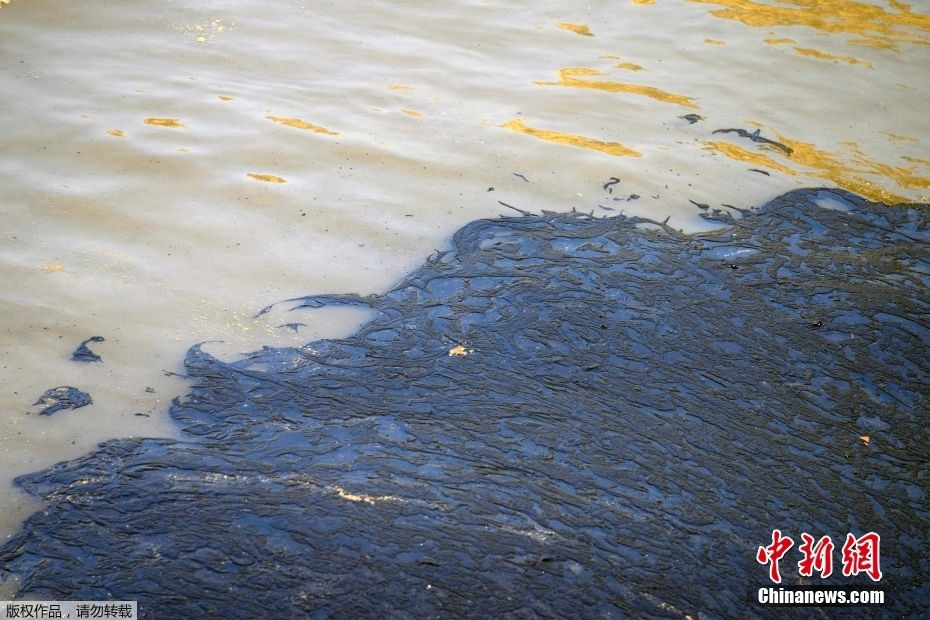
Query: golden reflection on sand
<point x="737" y="152"/>
<point x="916" y="160"/>
<point x="116" y="133"/>
<point x="897" y="138"/>
<point x="576" y="28"/>
<point x="558" y="137"/>
<point x="849" y="176"/>
<point x="300" y="124"/>
<point x="568" y="77"/>
<point x="164" y="122"/>
<point x="815" y="53"/>
<point x="877" y="26"/>
<point x="807" y="51"/>
<point x="267" y="178"/>
<point x="853" y="171"/>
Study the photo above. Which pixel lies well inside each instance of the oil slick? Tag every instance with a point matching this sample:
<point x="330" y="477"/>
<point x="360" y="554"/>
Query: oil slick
<point x="220" y="212"/>
<point x="380" y="455"/>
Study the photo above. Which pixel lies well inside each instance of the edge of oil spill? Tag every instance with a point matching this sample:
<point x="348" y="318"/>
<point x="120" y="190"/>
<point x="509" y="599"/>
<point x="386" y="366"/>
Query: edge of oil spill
<point x="563" y="415"/>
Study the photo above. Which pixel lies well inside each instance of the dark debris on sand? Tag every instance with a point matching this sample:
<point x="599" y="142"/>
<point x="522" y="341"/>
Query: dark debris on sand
<point x="63" y="397"/>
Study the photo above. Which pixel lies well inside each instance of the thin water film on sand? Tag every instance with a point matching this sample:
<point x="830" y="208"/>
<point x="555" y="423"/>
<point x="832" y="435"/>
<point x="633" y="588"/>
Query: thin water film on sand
<point x="562" y="416"/>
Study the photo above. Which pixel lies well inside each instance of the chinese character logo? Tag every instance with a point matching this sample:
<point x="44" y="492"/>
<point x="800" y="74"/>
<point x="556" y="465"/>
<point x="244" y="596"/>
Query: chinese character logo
<point x="860" y="555"/>
<point x="817" y="557"/>
<point x="774" y="552"/>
